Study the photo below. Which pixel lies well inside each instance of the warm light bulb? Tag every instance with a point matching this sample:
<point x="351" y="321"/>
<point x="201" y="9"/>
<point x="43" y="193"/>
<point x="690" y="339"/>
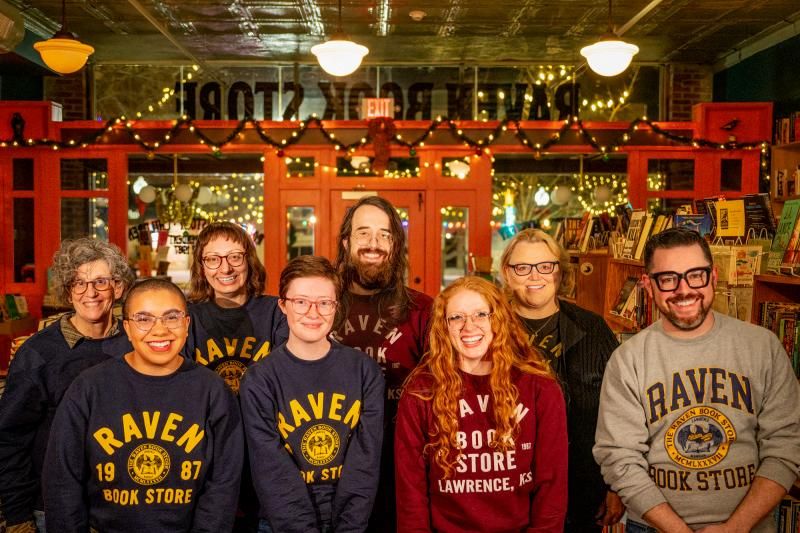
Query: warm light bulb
<point x="609" y="57"/>
<point x="339" y="56"/>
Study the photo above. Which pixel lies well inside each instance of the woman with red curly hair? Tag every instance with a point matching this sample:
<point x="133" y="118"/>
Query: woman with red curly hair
<point x="481" y="442"/>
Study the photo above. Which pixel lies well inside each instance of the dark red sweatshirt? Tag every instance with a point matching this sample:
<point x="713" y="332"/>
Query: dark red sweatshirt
<point x="522" y="489"/>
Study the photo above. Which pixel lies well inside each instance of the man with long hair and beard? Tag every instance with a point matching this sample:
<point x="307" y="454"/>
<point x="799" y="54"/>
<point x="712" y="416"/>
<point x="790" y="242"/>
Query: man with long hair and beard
<point x="380" y="316"/>
<point x="699" y="421"/>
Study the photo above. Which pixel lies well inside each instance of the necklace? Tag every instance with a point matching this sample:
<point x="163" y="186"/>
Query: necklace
<point x="544" y="325"/>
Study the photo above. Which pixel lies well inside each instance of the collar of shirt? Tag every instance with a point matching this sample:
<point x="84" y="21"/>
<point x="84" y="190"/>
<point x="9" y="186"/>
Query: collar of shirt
<point x="73" y="336"/>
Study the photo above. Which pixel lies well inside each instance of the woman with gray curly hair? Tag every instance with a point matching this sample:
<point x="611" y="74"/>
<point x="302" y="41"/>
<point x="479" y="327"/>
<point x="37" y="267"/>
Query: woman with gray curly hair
<point x="90" y="276"/>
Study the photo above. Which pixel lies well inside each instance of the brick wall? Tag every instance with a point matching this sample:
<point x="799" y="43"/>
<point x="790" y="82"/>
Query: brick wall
<point x="686" y="85"/>
<point x="71" y="92"/>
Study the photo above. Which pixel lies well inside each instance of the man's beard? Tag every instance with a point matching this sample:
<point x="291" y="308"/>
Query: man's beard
<point x="682" y="323"/>
<point x="370" y="276"/>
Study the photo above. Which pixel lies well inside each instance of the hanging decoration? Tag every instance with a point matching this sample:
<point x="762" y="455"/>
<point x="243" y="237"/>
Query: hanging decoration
<point x="381" y="130"/>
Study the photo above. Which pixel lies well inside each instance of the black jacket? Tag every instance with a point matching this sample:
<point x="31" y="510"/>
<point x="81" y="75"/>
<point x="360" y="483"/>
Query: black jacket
<point x="587" y="346"/>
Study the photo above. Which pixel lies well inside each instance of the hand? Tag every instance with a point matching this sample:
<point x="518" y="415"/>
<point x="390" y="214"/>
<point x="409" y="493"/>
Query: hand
<point x="610" y="511"/>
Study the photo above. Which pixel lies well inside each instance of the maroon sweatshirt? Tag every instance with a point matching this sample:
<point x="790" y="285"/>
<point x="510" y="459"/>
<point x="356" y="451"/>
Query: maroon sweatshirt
<point x="521" y="489"/>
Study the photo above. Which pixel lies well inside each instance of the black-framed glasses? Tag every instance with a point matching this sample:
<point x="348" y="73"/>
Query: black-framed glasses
<point x="524" y="269"/>
<point x="364" y="236"/>
<point x="459" y="320"/>
<point x="669" y="281"/>
<point x="146" y="321"/>
<point x="302" y="306"/>
<point x="214" y="261"/>
<point x="79" y="286"/>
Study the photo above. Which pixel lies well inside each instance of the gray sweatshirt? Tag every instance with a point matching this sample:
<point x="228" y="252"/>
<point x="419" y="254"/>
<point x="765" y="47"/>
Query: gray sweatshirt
<point x="692" y="421"/>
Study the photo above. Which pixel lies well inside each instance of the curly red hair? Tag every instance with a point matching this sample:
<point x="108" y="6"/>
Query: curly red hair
<point x="508" y="352"/>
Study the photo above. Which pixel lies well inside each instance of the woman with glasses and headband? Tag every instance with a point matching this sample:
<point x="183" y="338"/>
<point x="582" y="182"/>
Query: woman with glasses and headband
<point x="481" y="439"/>
<point x="233" y="323"/>
<point x="313" y="414"/>
<point x="90" y="276"/>
<point x="577" y="343"/>
<point x="147" y="442"/>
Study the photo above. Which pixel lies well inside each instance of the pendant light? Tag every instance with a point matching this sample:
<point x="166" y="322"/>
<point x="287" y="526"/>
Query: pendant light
<point x="610" y="55"/>
<point x="339" y="56"/>
<point x="63" y="53"/>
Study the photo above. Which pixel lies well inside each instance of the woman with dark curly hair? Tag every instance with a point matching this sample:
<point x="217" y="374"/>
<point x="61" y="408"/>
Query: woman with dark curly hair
<point x="90" y="276"/>
<point x="481" y="441"/>
<point x="233" y="324"/>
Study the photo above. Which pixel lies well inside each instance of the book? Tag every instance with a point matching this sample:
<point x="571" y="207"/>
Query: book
<point x="647" y="225"/>
<point x="758" y="214"/>
<point x="587" y="235"/>
<point x="730" y="218"/>
<point x="624" y="295"/>
<point x="572" y="235"/>
<point x="783" y="233"/>
<point x="634" y="229"/>
<point x="701" y="223"/>
<point x="22" y="304"/>
<point x="11" y="307"/>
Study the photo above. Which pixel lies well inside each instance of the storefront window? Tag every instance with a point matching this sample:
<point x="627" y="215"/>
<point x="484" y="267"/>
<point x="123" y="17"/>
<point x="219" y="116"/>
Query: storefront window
<point x="300" y="167"/>
<point x="730" y="175"/>
<point x="361" y="166"/>
<point x="84" y="174"/>
<point x="455" y="167"/>
<point x="173" y="196"/>
<point x="300" y="225"/>
<point x="23" y="174"/>
<point x="670" y="174"/>
<point x="23" y="241"/>
<point x="84" y="216"/>
<point x="454" y="243"/>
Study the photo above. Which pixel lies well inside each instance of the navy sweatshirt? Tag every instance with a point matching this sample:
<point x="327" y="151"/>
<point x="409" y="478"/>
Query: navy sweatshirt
<point x="130" y="452"/>
<point x="228" y="340"/>
<point x="314" y="432"/>
<point x="42" y="370"/>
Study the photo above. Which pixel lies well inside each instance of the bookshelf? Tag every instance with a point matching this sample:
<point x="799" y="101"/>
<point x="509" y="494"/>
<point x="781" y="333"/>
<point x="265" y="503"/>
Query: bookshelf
<point x="784" y="158"/>
<point x="618" y="271"/>
<point x="773" y="288"/>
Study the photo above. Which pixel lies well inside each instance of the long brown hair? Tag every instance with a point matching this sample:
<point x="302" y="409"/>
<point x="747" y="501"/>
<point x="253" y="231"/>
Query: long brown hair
<point x="199" y="288"/>
<point x="509" y="353"/>
<point x="395" y="298"/>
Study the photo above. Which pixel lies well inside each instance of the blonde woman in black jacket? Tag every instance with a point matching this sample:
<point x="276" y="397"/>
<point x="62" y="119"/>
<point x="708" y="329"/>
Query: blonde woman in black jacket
<point x="578" y="343"/>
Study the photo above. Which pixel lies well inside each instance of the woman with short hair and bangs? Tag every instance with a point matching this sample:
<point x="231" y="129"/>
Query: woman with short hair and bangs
<point x="481" y="441"/>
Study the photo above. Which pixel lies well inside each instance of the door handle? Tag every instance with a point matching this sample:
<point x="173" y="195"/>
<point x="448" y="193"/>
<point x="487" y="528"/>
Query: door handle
<point x="417" y="280"/>
<point x="419" y="201"/>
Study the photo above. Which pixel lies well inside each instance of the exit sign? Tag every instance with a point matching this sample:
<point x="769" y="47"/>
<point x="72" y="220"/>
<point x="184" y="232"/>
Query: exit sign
<point x="377" y="107"/>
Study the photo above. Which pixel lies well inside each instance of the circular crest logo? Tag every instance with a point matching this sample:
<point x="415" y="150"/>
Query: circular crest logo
<point x="320" y="444"/>
<point x="148" y="464"/>
<point x="699" y="438"/>
<point x="231" y="372"/>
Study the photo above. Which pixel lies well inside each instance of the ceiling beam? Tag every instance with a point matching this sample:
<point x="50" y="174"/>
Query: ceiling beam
<point x="164" y="31"/>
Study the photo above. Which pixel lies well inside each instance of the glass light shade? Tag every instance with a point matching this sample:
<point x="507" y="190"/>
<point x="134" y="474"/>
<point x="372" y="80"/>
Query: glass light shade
<point x="63" y="54"/>
<point x="609" y="57"/>
<point x="339" y="57"/>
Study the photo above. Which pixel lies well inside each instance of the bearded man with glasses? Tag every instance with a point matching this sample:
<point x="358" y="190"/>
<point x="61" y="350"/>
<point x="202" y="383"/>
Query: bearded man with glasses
<point x="381" y="316"/>
<point x="577" y="344"/>
<point x="699" y="423"/>
<point x="89" y="275"/>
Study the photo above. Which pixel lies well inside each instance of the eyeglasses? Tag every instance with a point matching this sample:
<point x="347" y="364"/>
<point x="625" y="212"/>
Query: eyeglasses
<point x="146" y="322"/>
<point x="696" y="278"/>
<point x="459" y="320"/>
<point x="364" y="236"/>
<point x="213" y="262"/>
<point x="79" y="286"/>
<point x="524" y="269"/>
<point x="303" y="305"/>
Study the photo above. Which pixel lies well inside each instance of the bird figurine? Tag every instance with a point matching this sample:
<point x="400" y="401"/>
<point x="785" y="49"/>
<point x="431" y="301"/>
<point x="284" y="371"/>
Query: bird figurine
<point x="730" y="125"/>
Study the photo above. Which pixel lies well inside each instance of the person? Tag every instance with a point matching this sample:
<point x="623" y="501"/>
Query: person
<point x="148" y="442"/>
<point x="89" y="275"/>
<point x="577" y="344"/>
<point x="233" y="323"/>
<point x="481" y="438"/>
<point x="699" y="423"/>
<point x="382" y="317"/>
<point x="313" y="414"/>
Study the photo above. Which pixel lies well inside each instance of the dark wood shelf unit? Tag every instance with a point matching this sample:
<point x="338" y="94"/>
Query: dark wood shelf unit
<point x="773" y="288"/>
<point x="618" y="271"/>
